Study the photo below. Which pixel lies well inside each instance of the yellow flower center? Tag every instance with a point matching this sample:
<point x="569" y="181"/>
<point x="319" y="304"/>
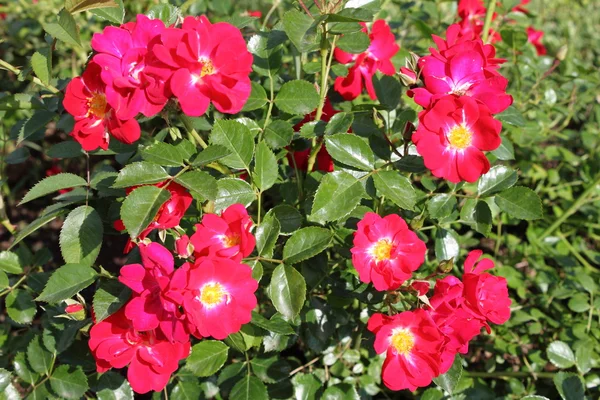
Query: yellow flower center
<point x="460" y="137"/>
<point x="212" y="294"/>
<point x="403" y="341"/>
<point x="230" y="241"/>
<point x="207" y="68"/>
<point x="382" y="250"/>
<point x="97" y="105"/>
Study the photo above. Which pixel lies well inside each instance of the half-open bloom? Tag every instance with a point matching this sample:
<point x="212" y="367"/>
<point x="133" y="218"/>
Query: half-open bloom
<point x="151" y="358"/>
<point x="135" y="79"/>
<point x="378" y="57"/>
<point x="385" y="251"/>
<point x="218" y="296"/>
<point x="535" y="38"/>
<point x="153" y="305"/>
<point x="452" y="136"/>
<point x="226" y="236"/>
<point x="211" y="64"/>
<point x="412" y="343"/>
<point x="86" y="100"/>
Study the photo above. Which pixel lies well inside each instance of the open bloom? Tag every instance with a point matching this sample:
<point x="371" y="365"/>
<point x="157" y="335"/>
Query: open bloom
<point x="535" y="38"/>
<point x="218" y="296"/>
<point x="151" y="359"/>
<point x="452" y="136"/>
<point x="412" y="343"/>
<point x="226" y="236"/>
<point x="376" y="58"/>
<point x="153" y="305"/>
<point x="86" y="100"/>
<point x="463" y="67"/>
<point x="472" y="14"/>
<point x="385" y="251"/>
<point x="135" y="79"/>
<point x="485" y="294"/>
<point x="210" y="63"/>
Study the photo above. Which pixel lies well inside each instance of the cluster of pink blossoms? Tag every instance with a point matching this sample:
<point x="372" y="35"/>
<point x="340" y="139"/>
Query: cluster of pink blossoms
<point x="138" y="67"/>
<point x="423" y="343"/>
<point x="210" y="295"/>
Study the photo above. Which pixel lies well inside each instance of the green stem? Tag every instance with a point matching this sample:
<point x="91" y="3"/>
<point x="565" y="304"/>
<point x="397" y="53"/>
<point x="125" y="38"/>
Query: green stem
<point x="271" y="10"/>
<point x="13" y="287"/>
<point x="575" y="253"/>
<point x="488" y="20"/>
<point x="269" y="110"/>
<point x="189" y="126"/>
<point x="573" y="209"/>
<point x="35" y="79"/>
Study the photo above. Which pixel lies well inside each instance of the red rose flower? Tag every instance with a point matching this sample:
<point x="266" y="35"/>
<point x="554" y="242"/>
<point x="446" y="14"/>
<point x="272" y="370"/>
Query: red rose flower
<point x="385" y="251"/>
<point x="421" y="287"/>
<point x="153" y="305"/>
<point x="535" y="38"/>
<point x="151" y="358"/>
<point x="452" y="136"/>
<point x="211" y="64"/>
<point x="255" y="14"/>
<point x="183" y="246"/>
<point x="218" y="296"/>
<point x="378" y="57"/>
<point x="412" y="343"/>
<point x="472" y="14"/>
<point x="464" y="68"/>
<point x="86" y="100"/>
<point x="226" y="236"/>
<point x="485" y="294"/>
<point x="135" y="79"/>
<point x="521" y="7"/>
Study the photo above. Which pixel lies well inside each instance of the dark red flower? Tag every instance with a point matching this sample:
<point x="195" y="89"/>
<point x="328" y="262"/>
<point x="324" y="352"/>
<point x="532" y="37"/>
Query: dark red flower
<point x="535" y="38"/>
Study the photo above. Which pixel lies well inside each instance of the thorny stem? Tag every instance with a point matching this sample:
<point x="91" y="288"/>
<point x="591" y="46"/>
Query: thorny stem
<point x="35" y="79"/>
<point x="488" y="20"/>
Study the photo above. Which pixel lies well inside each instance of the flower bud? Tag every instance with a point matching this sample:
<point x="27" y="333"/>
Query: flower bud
<point x="408" y="76"/>
<point x="417" y="222"/>
<point x="183" y="247"/>
<point x="409" y="128"/>
<point x="75" y="311"/>
<point x="445" y="266"/>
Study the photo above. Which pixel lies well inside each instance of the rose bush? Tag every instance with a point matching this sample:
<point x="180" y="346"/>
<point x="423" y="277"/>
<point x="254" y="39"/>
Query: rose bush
<point x="327" y="199"/>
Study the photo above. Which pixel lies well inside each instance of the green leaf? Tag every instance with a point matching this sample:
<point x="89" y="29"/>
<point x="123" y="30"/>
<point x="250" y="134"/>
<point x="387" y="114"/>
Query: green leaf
<point x="279" y="134"/>
<point x="113" y="386"/>
<point x="112" y="14"/>
<point x="338" y="194"/>
<point x="210" y="154"/>
<point x="65" y="29"/>
<point x="9" y="262"/>
<point x="67" y="281"/>
<point x="506" y="151"/>
<point x="75" y="6"/>
<point x="287" y="290"/>
<point x="339" y="123"/>
<point x="23" y="370"/>
<point x="267" y="58"/>
<point x="350" y="150"/>
<point x="441" y="205"/>
<point x="302" y="30"/>
<point x="231" y="191"/>
<point x="306" y="386"/>
<point x="18" y="156"/>
<point x="267" y="234"/>
<point x="186" y="390"/>
<point x="109" y="298"/>
<point x="512" y="116"/>
<point x="388" y="90"/>
<point x="66" y="149"/>
<point x="395" y="187"/>
<point x="477" y="213"/>
<point x="200" y="184"/>
<point x="297" y="97"/>
<point x="207" y="358"/>
<point x="249" y="388"/>
<point x="37" y="224"/>
<point x="569" y="386"/>
<point x="450" y="379"/>
<point x="20" y="306"/>
<point x="560" y="354"/>
<point x="163" y="154"/>
<point x="580" y="302"/>
<point x="81" y="236"/>
<point x="270" y="369"/>
<point x="520" y="202"/>
<point x="265" y="167"/>
<point x="33" y="128"/>
<point x="276" y="324"/>
<point x="306" y="243"/>
<point x="165" y="12"/>
<point x="39" y="357"/>
<point x="446" y="245"/>
<point x="355" y="43"/>
<point x="257" y="99"/>
<point x="53" y="184"/>
<point x="237" y="138"/>
<point x="289" y="218"/>
<point x="68" y="382"/>
<point x="4" y="283"/>
<point x="583" y="359"/>
<point x="140" y="208"/>
<point x="497" y="179"/>
<point x="5" y="378"/>
<point x="140" y="173"/>
<point x="41" y="63"/>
